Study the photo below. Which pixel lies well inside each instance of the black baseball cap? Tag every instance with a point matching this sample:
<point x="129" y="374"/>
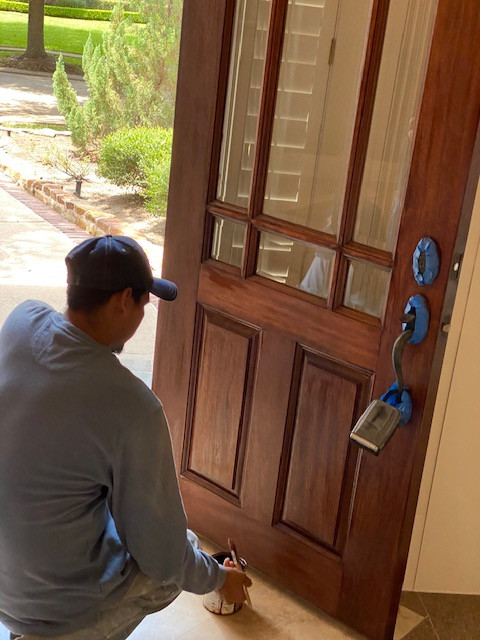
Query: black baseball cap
<point x="114" y="263"/>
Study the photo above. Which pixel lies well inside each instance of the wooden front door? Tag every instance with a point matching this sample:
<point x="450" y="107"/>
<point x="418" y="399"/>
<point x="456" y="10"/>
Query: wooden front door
<point x="315" y="144"/>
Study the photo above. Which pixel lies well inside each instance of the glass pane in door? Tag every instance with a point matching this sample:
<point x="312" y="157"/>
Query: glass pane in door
<point x="228" y="241"/>
<point x="397" y="104"/>
<point x="367" y="288"/>
<point x="243" y="100"/>
<point x="296" y="264"/>
<point x="320" y="73"/>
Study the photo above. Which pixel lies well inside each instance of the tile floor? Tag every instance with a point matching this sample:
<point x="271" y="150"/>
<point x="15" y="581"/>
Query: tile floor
<point x="276" y="615"/>
<point x="444" y="616"/>
<point x="279" y="615"/>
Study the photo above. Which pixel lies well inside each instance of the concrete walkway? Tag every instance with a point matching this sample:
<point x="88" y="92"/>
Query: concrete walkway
<point x="29" y="96"/>
<point x="34" y="240"/>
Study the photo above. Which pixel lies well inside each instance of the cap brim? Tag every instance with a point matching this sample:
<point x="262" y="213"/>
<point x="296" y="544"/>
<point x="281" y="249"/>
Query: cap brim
<point x="164" y="289"/>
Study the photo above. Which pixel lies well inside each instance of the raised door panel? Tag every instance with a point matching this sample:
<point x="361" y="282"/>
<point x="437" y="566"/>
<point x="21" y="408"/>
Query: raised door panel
<point x="221" y="384"/>
<point x="267" y="425"/>
<point x="325" y="400"/>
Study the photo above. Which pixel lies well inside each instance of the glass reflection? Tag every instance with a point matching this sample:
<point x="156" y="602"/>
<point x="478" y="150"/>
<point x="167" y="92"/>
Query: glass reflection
<point x="392" y="134"/>
<point x="295" y="264"/>
<point x="228" y="241"/>
<point x="367" y="288"/>
<point x="320" y="74"/>
<point x="243" y="100"/>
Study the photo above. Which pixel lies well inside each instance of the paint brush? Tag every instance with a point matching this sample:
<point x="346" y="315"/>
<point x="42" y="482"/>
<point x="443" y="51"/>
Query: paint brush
<point x="234" y="555"/>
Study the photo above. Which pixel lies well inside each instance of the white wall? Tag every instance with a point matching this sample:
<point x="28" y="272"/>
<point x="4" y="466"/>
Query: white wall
<point x="445" y="549"/>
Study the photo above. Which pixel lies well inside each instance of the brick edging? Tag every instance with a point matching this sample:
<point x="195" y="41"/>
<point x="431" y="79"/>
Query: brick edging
<point x="94" y="222"/>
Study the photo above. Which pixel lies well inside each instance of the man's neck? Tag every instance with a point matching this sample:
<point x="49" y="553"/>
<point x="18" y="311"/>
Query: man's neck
<point x="91" y="324"/>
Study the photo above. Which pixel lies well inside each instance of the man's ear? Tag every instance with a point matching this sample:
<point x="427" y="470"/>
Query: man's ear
<point x="123" y="298"/>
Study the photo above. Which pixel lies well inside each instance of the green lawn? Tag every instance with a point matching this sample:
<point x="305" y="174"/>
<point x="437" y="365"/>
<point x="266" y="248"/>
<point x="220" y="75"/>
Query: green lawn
<point x="61" y="34"/>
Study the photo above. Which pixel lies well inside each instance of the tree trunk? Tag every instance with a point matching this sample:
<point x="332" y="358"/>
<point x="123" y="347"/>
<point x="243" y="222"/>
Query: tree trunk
<point x="35" y="40"/>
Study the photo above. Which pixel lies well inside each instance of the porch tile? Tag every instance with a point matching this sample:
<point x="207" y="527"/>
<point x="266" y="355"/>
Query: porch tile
<point x="424" y="631"/>
<point x="406" y="621"/>
<point x="184" y="614"/>
<point x="454" y="616"/>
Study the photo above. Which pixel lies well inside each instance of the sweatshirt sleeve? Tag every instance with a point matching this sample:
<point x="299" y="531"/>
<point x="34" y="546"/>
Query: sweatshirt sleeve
<point x="148" y="511"/>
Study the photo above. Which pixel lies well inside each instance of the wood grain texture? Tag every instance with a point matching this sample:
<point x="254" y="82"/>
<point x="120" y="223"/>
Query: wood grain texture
<point x="268" y="420"/>
<point x="278" y="554"/>
<point x="316" y="447"/>
<point x="341" y="337"/>
<point x="215" y="444"/>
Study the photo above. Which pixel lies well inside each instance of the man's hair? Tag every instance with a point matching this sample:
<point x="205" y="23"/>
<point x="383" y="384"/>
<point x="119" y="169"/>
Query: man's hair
<point x="85" y="299"/>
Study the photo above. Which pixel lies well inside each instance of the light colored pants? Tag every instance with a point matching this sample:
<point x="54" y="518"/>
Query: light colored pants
<point x="117" y="620"/>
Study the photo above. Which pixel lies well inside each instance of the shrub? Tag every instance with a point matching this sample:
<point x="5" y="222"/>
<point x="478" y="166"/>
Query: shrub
<point x="78" y="126"/>
<point x="139" y="158"/>
<point x="68" y="105"/>
<point x="156" y="190"/>
<point x="19" y="7"/>
<point x="76" y="167"/>
<point x="68" y="12"/>
<point x="131" y="83"/>
<point x="80" y="4"/>
<point x="121" y="157"/>
<point x="91" y="4"/>
<point x="64" y="92"/>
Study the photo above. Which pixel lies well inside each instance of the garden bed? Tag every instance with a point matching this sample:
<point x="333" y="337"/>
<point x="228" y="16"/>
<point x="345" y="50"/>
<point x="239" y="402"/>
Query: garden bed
<point x="26" y="152"/>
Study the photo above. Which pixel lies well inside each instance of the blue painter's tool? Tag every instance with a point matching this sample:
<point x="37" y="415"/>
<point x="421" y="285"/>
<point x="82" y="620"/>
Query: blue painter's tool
<point x="416" y="318"/>
<point x="426" y="261"/>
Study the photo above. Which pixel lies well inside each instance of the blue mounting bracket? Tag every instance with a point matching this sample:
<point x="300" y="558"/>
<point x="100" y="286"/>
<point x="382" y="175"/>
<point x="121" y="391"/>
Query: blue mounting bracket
<point x="414" y="329"/>
<point x="426" y="261"/>
<point x="416" y="318"/>
<point x="402" y="402"/>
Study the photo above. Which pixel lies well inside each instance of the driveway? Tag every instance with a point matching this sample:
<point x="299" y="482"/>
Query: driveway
<point x="30" y="98"/>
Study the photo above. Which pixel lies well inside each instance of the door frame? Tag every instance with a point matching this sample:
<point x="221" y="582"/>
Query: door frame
<point x="441" y="137"/>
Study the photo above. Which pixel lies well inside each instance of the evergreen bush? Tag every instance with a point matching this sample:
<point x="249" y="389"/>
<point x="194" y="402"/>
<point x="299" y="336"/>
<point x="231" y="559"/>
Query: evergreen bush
<point x="131" y="83"/>
<point x="131" y="94"/>
<point x="139" y="158"/>
<point x="157" y="183"/>
<point x="69" y="107"/>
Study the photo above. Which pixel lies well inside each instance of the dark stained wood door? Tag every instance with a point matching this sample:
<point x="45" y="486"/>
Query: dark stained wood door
<point x="315" y="144"/>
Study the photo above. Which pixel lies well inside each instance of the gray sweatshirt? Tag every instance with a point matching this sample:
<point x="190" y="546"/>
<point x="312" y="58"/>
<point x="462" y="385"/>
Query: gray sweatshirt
<point x="88" y="487"/>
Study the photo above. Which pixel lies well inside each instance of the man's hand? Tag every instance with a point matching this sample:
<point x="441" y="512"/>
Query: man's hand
<point x="233" y="588"/>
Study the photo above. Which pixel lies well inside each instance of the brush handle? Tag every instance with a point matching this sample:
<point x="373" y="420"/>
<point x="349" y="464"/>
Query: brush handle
<point x="247" y="596"/>
<point x="233" y="553"/>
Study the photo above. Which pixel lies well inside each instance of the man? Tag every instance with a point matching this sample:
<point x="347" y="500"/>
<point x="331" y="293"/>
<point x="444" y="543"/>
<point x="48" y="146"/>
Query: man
<point x="93" y="534"/>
